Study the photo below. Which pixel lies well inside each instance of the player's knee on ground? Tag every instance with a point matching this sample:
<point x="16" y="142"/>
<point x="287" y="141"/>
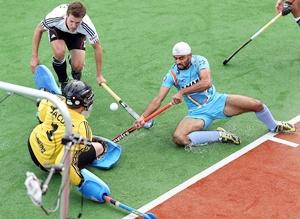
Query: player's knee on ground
<point x="179" y="139"/>
<point x="257" y="105"/>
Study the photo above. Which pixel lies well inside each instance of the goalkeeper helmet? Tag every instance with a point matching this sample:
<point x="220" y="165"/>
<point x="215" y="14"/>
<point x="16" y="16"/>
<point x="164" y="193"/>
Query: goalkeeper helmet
<point x="77" y="94"/>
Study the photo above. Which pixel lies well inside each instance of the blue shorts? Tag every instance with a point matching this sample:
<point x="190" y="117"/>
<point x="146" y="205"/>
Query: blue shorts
<point x="211" y="111"/>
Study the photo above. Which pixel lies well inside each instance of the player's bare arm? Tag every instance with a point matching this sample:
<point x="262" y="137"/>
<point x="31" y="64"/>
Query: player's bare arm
<point x="284" y="7"/>
<point x="203" y="84"/>
<point x="98" y="59"/>
<point x="37" y="35"/>
<point x="152" y="107"/>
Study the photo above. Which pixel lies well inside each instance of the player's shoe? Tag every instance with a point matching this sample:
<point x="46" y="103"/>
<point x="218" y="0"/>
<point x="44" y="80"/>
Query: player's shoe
<point x="284" y="127"/>
<point x="228" y="137"/>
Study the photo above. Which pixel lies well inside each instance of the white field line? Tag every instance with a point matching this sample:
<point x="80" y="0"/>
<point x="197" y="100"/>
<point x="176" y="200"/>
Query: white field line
<point x="215" y="167"/>
<point x="282" y="141"/>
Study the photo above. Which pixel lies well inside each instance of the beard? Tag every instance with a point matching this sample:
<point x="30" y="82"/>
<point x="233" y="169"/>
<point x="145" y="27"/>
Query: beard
<point x="184" y="66"/>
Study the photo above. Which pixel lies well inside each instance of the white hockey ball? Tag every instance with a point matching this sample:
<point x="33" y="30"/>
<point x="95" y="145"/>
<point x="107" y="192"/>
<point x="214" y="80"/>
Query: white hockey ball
<point x="113" y="106"/>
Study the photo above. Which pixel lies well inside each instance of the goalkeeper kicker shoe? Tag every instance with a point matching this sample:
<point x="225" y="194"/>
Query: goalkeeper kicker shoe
<point x="284" y="127"/>
<point x="227" y="137"/>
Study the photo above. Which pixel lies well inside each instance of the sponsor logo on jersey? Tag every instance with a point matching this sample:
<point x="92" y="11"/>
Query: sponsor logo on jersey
<point x="191" y="83"/>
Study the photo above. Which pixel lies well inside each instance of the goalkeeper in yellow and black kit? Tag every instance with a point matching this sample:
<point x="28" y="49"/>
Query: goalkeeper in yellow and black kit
<point x="45" y="142"/>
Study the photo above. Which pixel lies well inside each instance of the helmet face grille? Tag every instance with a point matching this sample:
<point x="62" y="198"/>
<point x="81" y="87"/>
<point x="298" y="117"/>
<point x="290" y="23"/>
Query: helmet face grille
<point x="77" y="94"/>
<point x="88" y="98"/>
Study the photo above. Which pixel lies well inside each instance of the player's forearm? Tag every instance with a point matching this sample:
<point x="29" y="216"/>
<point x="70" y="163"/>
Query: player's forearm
<point x="98" y="59"/>
<point x="37" y="35"/>
<point x="152" y="107"/>
<point x="200" y="86"/>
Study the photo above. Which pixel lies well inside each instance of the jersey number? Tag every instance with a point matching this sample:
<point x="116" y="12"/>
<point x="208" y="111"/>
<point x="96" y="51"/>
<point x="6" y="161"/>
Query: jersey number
<point x="50" y="133"/>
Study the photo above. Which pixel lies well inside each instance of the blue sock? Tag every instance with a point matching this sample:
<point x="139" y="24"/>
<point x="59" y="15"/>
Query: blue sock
<point x="266" y="117"/>
<point x="204" y="137"/>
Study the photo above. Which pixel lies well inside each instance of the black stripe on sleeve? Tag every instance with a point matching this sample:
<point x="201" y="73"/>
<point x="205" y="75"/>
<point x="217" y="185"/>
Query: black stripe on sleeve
<point x="49" y="21"/>
<point x="88" y="29"/>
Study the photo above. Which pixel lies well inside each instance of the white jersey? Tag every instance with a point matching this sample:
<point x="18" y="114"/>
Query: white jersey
<point x="57" y="18"/>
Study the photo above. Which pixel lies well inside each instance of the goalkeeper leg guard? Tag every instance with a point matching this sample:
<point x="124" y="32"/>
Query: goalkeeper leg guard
<point x="93" y="187"/>
<point x="111" y="155"/>
<point x="44" y="80"/>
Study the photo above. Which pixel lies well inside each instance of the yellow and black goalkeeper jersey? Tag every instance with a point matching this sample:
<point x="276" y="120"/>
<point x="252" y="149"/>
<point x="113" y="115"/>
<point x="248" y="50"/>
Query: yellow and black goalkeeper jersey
<point x="46" y="137"/>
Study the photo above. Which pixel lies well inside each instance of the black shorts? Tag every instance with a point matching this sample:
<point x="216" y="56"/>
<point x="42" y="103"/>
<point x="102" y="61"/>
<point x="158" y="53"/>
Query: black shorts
<point x="73" y="41"/>
<point x="86" y="157"/>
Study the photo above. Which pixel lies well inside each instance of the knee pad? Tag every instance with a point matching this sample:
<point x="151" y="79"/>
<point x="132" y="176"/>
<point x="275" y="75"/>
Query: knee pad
<point x="93" y="188"/>
<point x="110" y="157"/>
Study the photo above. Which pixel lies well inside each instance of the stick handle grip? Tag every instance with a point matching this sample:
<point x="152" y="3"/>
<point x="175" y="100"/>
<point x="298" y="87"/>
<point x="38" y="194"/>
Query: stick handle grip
<point x="110" y="91"/>
<point x="265" y="27"/>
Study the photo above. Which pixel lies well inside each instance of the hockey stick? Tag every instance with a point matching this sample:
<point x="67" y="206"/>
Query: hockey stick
<point x="132" y="128"/>
<point x="252" y="38"/>
<point x="122" y="206"/>
<point x="120" y="101"/>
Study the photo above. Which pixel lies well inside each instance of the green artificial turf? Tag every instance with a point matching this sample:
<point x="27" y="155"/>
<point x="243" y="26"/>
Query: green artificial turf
<point x="137" y="37"/>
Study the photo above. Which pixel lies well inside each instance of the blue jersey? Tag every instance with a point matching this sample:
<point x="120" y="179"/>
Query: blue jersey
<point x="185" y="78"/>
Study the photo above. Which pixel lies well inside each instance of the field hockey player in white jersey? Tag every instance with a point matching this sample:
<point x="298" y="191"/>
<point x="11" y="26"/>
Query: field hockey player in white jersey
<point x="69" y="26"/>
